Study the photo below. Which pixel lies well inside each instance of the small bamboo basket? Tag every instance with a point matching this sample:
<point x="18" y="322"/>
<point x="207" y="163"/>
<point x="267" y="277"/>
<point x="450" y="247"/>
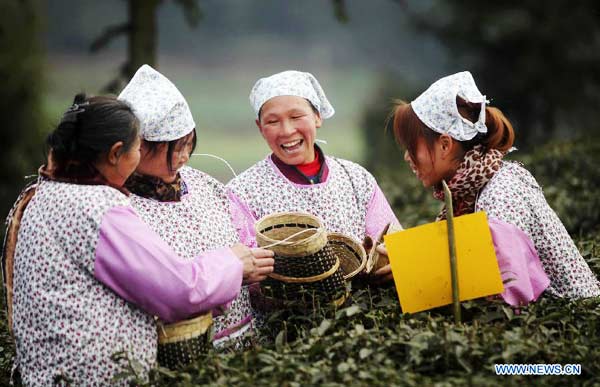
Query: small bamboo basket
<point x="184" y="342"/>
<point x="376" y="261"/>
<point x="13" y="222"/>
<point x="304" y="261"/>
<point x="351" y="254"/>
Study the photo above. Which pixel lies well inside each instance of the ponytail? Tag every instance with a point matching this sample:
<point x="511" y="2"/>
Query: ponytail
<point x="63" y="140"/>
<point x="500" y="133"/>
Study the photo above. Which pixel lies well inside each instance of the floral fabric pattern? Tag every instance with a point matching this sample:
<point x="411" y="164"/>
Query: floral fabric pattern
<point x="199" y="222"/>
<point x="67" y="325"/>
<point x="163" y="112"/>
<point x="341" y="201"/>
<point x="514" y="196"/>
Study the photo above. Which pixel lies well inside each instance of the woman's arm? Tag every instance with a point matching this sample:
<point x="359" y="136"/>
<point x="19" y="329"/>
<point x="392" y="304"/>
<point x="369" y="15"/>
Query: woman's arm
<point x="379" y="214"/>
<point x="139" y="266"/>
<point x="520" y="267"/>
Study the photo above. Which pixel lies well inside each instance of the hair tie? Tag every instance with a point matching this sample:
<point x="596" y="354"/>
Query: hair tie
<point x="71" y="114"/>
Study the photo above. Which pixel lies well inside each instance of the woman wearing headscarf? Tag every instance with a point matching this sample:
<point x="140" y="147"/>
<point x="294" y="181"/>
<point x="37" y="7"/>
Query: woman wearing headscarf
<point x="185" y="206"/>
<point x="89" y="275"/>
<point x="450" y="134"/>
<point x="298" y="176"/>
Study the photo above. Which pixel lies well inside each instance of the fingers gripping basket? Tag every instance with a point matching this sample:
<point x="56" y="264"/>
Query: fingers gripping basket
<point x="304" y="262"/>
<point x="183" y="342"/>
<point x="376" y="261"/>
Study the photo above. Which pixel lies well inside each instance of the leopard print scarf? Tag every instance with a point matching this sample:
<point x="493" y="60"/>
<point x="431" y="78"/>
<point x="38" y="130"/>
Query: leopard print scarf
<point x="153" y="187"/>
<point x="473" y="173"/>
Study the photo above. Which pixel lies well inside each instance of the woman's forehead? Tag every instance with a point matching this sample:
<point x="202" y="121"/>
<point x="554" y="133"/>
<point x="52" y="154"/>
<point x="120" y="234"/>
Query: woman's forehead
<point x="284" y="103"/>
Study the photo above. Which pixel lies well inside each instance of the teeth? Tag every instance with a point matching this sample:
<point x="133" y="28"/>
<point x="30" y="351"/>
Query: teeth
<point x="291" y="144"/>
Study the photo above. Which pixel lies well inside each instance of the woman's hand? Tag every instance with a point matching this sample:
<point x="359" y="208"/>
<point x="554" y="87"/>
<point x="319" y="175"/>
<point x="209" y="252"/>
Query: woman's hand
<point x="257" y="262"/>
<point x="384" y="274"/>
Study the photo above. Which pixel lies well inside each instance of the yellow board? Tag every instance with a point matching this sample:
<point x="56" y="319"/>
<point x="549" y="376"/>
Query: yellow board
<point x="421" y="263"/>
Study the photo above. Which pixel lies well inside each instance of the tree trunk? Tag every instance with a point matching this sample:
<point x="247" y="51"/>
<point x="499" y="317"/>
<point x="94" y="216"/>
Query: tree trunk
<point x="21" y="105"/>
<point x="142" y="36"/>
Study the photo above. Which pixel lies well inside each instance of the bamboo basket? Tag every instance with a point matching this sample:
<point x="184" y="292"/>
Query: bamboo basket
<point x="351" y="254"/>
<point x="13" y="223"/>
<point x="304" y="262"/>
<point x="376" y="261"/>
<point x="183" y="342"/>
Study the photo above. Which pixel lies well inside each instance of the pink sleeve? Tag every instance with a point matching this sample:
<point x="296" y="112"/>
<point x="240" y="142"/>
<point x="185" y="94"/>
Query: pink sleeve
<point x="135" y="263"/>
<point x="242" y="219"/>
<point x="379" y="214"/>
<point x="520" y="266"/>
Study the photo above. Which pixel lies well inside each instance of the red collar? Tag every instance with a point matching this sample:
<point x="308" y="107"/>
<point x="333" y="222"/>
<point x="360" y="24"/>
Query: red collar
<point x="296" y="175"/>
<point x="312" y="168"/>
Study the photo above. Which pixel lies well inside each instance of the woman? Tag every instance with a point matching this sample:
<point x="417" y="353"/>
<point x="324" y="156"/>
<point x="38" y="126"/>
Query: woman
<point x="186" y="207"/>
<point x="297" y="175"/>
<point x="449" y="134"/>
<point x="89" y="274"/>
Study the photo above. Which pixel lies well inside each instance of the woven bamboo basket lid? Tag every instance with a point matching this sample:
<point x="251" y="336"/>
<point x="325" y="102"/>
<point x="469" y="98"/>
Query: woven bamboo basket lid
<point x="291" y="234"/>
<point x="351" y="254"/>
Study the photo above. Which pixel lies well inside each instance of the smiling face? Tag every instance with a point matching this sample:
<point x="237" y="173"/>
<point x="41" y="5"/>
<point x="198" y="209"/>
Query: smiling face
<point x="289" y="125"/>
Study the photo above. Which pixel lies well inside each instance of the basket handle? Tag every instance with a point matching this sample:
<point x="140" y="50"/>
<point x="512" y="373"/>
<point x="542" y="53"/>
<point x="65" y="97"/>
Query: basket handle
<point x="314" y="278"/>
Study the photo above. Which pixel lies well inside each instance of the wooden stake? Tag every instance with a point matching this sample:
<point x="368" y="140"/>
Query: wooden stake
<point x="452" y="250"/>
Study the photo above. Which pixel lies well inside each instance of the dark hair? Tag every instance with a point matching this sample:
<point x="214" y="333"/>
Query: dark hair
<point x="87" y="131"/>
<point x="315" y="110"/>
<point x="171" y="146"/>
<point x="408" y="128"/>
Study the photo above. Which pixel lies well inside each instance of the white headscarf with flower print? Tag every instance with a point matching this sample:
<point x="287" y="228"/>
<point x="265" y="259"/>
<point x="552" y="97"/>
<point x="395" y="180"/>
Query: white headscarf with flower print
<point x="437" y="109"/>
<point x="294" y="83"/>
<point x="162" y="110"/>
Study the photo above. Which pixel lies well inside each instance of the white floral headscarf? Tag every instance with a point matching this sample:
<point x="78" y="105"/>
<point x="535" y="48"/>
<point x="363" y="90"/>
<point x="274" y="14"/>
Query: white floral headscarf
<point x="437" y="109"/>
<point x="163" y="112"/>
<point x="295" y="83"/>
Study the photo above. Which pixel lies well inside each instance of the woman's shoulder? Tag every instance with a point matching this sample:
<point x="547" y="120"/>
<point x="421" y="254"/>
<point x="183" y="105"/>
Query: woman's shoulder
<point x="88" y="200"/>
<point x="191" y="174"/>
<point x="252" y="174"/>
<point x="77" y="192"/>
<point x="512" y="176"/>
<point x="351" y="168"/>
<point x="510" y="193"/>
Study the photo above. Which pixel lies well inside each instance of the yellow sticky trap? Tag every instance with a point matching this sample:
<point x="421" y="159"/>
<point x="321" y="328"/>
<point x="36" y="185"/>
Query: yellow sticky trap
<point x="421" y="263"/>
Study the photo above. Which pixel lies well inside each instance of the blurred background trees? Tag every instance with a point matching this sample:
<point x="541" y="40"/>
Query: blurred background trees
<point x="140" y="30"/>
<point x="21" y="104"/>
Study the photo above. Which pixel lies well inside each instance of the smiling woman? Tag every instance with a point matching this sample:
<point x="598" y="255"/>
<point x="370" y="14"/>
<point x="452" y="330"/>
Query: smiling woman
<point x="297" y="176"/>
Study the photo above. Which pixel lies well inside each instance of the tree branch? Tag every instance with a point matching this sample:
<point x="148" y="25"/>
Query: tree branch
<point x="340" y="11"/>
<point x="108" y="35"/>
